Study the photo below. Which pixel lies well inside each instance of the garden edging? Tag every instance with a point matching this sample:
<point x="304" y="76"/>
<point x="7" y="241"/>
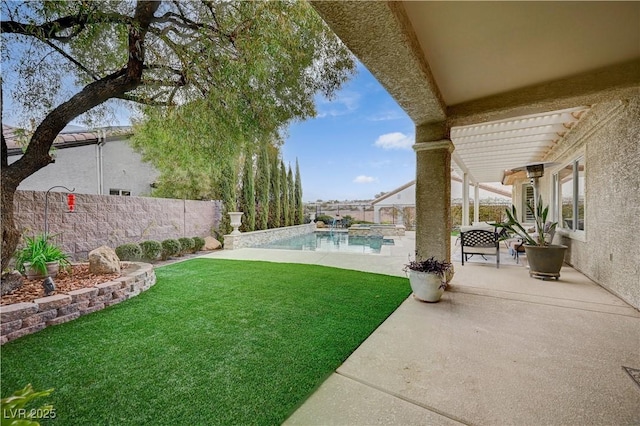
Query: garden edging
<point x="21" y="319"/>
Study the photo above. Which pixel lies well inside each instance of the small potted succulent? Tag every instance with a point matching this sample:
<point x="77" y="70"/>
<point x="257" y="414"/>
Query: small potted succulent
<point x="428" y="278"/>
<point x="39" y="258"/>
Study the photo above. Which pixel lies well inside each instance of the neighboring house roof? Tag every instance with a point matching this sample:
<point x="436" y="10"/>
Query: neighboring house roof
<point x="67" y="138"/>
<point x="483" y="186"/>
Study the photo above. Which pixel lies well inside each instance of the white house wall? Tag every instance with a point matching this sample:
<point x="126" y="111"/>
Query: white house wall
<point x="76" y="167"/>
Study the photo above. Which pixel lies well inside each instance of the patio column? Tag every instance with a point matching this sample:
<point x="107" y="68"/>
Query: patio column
<point x="433" y="191"/>
<point x="476" y="202"/>
<point x="465" y="199"/>
<point x="376" y="214"/>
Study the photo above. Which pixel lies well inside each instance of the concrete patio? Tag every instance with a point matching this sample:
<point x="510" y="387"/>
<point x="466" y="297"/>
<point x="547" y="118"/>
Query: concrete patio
<point x="499" y="348"/>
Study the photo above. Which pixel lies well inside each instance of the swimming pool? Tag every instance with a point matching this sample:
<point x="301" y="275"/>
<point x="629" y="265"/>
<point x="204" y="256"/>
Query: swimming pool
<point x="330" y="242"/>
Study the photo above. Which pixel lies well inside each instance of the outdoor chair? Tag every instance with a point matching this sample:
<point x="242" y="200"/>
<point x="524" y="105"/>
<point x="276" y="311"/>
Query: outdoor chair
<point x="481" y="242"/>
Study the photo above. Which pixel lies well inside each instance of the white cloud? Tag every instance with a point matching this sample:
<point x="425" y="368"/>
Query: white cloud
<point x="385" y="116"/>
<point x="364" y="179"/>
<point x="395" y="140"/>
<point x="345" y="103"/>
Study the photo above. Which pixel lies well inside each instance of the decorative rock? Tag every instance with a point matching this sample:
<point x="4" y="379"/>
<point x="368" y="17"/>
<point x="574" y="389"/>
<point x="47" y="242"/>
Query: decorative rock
<point x="10" y="282"/>
<point x="17" y="311"/>
<point x="10" y="327"/>
<point x="52" y="302"/>
<point x="104" y="260"/>
<point x="211" y="243"/>
<point x="39" y="318"/>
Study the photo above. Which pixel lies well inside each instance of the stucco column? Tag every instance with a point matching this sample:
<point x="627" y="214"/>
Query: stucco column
<point x="465" y="200"/>
<point x="376" y="214"/>
<point x="476" y="202"/>
<point x="433" y="195"/>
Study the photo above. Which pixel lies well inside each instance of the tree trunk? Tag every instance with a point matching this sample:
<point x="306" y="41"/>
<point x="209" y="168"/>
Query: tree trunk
<point x="10" y="235"/>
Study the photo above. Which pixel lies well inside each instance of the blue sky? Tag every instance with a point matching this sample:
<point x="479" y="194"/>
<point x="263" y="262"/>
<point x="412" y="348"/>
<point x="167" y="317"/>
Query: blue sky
<point x="357" y="146"/>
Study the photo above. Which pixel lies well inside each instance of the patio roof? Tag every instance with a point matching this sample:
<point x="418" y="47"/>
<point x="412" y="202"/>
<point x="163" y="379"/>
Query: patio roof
<point x="508" y="78"/>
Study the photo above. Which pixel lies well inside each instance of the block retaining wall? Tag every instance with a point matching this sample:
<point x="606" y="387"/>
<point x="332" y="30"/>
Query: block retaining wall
<point x="113" y="220"/>
<point x="20" y="319"/>
<point x="257" y="238"/>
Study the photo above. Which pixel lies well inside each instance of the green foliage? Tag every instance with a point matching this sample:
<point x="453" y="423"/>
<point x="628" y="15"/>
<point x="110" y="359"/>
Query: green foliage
<point x="263" y="184"/>
<point x="291" y="198"/>
<point x="247" y="197"/>
<point x="186" y="245"/>
<point x="170" y="247"/>
<point x="285" y="218"/>
<point x="298" y="205"/>
<point x="328" y="220"/>
<point x="275" y="210"/>
<point x="15" y="411"/>
<point x="198" y="243"/>
<point x="129" y="251"/>
<point x="540" y="213"/>
<point x="151" y="249"/>
<point x="39" y="251"/>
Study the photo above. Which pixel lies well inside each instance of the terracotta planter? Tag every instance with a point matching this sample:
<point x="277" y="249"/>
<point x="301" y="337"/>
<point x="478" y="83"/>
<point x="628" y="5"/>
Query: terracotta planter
<point x="426" y="287"/>
<point x="545" y="262"/>
<point x="34" y="274"/>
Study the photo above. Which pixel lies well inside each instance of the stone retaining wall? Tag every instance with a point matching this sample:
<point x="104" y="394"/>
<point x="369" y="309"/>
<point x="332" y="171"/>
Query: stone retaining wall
<point x="113" y="220"/>
<point x="376" y="230"/>
<point x="20" y="319"/>
<point x="257" y="238"/>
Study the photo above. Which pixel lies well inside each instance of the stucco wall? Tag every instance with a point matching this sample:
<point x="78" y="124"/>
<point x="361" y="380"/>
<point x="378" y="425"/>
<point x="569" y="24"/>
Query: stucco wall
<point x="113" y="220"/>
<point x="607" y="252"/>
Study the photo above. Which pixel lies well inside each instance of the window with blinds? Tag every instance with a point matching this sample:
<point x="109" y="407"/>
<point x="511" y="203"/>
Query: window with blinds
<point x="527" y="198"/>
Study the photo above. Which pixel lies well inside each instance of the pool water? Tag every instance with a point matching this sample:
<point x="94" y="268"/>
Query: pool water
<point x="330" y="242"/>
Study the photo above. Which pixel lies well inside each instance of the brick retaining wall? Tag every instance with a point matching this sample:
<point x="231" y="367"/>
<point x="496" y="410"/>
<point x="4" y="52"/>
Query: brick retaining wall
<point x="20" y="319"/>
<point x="113" y="220"/>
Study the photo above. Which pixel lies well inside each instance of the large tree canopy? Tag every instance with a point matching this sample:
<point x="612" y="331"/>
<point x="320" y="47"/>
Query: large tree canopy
<point x="221" y="73"/>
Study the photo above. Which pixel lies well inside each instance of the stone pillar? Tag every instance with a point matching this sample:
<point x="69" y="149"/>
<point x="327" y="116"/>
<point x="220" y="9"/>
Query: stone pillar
<point x="465" y="200"/>
<point x="476" y="202"/>
<point x="376" y="214"/>
<point x="433" y="192"/>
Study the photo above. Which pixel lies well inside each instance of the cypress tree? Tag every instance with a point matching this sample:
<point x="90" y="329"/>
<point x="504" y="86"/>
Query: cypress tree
<point x="299" y="207"/>
<point x="275" y="212"/>
<point x="228" y="194"/>
<point x="284" y="195"/>
<point x="262" y="188"/>
<point x="248" y="199"/>
<point x="292" y="197"/>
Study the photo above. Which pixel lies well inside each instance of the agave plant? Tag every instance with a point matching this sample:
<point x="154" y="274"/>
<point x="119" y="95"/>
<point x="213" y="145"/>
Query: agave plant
<point x="38" y="251"/>
<point x="540" y="214"/>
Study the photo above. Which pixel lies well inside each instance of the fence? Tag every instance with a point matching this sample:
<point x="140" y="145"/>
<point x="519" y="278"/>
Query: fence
<point x="112" y="220"/>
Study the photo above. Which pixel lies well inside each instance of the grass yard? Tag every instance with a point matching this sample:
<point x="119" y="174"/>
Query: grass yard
<point x="213" y="342"/>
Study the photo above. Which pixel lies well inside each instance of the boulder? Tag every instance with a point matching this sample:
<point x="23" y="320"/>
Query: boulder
<point x="104" y="260"/>
<point x="10" y="282"/>
<point x="211" y="243"/>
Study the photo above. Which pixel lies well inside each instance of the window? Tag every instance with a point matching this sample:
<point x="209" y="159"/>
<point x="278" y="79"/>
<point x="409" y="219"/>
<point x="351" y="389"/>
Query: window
<point x="570" y="195"/>
<point x="124" y="192"/>
<point x="527" y="198"/>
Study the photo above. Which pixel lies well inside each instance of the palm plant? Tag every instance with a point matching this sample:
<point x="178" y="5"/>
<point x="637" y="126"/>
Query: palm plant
<point x="542" y="230"/>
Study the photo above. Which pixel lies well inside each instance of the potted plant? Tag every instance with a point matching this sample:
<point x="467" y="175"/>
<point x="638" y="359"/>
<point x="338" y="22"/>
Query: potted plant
<point x="39" y="258"/>
<point x="545" y="259"/>
<point x="428" y="278"/>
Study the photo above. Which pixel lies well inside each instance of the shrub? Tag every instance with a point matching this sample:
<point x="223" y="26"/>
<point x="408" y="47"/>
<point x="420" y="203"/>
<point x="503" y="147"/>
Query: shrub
<point x="170" y="247"/>
<point x="198" y="243"/>
<point x="186" y="245"/>
<point x="151" y="249"/>
<point x="324" y="218"/>
<point x="129" y="251"/>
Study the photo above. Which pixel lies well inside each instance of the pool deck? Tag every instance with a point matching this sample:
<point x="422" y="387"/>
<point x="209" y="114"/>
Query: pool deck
<point x="499" y="348"/>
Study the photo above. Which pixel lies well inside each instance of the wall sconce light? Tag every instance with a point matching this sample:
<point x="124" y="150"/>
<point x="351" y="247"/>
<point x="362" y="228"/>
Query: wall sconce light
<point x="49" y="286"/>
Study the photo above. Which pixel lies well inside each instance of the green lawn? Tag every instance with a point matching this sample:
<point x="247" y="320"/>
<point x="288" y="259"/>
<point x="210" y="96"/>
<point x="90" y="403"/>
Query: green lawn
<point x="213" y="342"/>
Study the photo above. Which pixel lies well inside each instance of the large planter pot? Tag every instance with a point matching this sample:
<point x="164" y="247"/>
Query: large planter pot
<point x="427" y="287"/>
<point x="34" y="274"/>
<point x="545" y="262"/>
<point x="236" y="221"/>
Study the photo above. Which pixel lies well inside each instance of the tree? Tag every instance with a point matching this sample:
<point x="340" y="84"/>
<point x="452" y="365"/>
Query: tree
<point x="299" y="206"/>
<point x="275" y="211"/>
<point x="262" y="188"/>
<point x="291" y="198"/>
<point x="248" y="197"/>
<point x="284" y="196"/>
<point x="251" y="67"/>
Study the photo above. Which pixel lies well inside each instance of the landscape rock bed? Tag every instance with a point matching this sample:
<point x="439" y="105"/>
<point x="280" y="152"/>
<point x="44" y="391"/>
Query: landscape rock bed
<point x="22" y="318"/>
